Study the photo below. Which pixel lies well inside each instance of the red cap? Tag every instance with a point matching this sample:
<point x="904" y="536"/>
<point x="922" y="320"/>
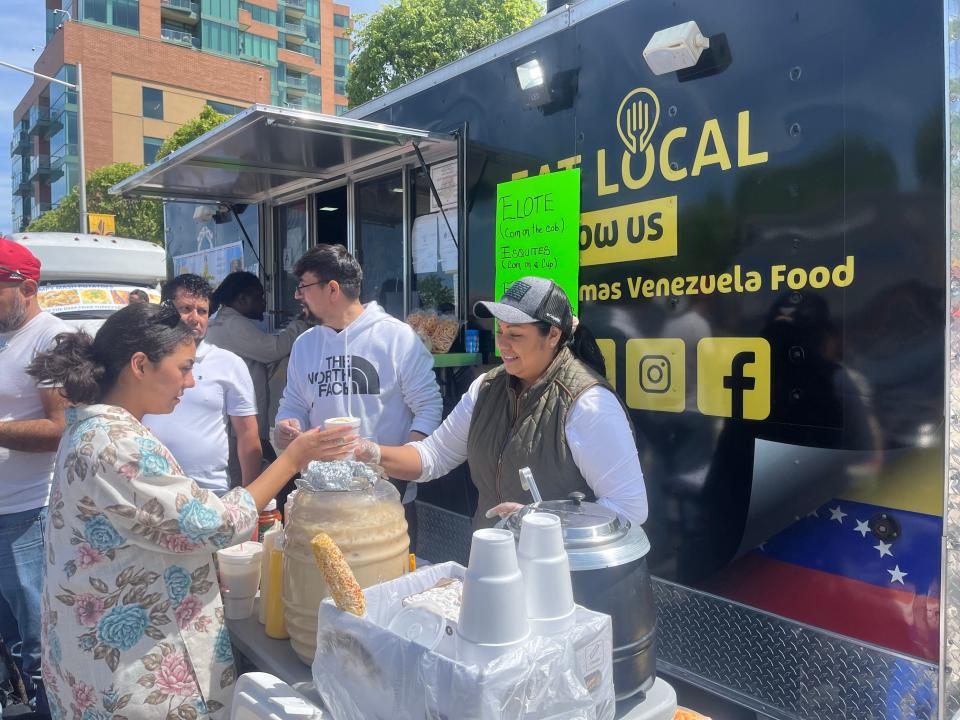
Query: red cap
<point x="16" y="262"/>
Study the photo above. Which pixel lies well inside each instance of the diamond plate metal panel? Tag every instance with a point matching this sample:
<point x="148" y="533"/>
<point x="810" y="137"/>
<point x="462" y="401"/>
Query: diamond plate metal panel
<point x="442" y="535"/>
<point x="783" y="669"/>
<point x="755" y="659"/>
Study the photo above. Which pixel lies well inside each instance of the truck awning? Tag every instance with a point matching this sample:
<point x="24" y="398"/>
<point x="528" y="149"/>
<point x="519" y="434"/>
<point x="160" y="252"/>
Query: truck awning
<point x="267" y="153"/>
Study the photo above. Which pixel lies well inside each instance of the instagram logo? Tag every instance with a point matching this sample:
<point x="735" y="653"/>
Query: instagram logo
<point x="655" y="373"/>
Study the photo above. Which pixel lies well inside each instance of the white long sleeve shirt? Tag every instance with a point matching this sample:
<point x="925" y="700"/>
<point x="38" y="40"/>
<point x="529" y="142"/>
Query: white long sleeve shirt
<point x="599" y="437"/>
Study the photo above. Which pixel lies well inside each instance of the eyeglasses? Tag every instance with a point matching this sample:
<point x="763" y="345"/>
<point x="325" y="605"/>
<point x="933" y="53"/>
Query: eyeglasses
<point x="301" y="286"/>
<point x="11" y="275"/>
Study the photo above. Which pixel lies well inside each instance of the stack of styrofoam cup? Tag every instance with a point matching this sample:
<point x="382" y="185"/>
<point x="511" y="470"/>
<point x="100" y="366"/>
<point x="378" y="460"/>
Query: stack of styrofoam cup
<point x="546" y="574"/>
<point x="493" y="614"/>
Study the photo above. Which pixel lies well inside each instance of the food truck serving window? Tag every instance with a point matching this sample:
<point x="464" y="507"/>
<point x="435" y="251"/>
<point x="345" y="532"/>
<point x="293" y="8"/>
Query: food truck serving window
<point x="322" y="178"/>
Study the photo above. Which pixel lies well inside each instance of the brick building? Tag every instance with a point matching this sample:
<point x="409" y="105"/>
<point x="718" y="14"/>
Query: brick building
<point x="151" y="65"/>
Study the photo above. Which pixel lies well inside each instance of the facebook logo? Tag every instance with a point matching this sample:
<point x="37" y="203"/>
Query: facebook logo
<point x="733" y="377"/>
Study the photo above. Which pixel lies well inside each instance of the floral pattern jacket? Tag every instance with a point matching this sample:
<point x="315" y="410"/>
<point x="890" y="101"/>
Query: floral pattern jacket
<point x="132" y="616"/>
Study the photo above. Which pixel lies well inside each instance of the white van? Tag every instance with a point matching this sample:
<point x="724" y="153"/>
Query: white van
<point x="85" y="278"/>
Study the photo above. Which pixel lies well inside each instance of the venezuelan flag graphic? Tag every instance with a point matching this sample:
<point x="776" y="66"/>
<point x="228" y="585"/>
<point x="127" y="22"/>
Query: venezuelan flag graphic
<point x="832" y="569"/>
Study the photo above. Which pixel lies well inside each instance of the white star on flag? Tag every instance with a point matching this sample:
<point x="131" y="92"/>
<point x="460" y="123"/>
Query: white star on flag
<point x="837" y="514"/>
<point x="812" y="513"/>
<point x="884" y="549"/>
<point x="897" y="575"/>
<point x="762" y="546"/>
<point x="862" y="528"/>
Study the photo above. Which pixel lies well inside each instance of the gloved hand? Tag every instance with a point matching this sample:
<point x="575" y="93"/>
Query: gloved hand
<point x="504" y="510"/>
<point x="367" y="452"/>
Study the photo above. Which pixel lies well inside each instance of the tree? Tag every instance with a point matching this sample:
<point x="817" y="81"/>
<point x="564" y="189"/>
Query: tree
<point x="190" y="131"/>
<point x="140" y="219"/>
<point x="405" y="39"/>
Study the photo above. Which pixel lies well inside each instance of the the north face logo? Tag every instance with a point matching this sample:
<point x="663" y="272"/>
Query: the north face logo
<point x="333" y="379"/>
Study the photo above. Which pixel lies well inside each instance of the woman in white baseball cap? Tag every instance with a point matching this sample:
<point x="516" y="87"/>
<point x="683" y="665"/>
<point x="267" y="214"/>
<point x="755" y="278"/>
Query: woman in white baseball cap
<point x="548" y="407"/>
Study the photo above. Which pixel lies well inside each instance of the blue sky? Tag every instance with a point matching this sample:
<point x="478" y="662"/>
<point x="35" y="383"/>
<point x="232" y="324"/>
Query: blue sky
<point x="23" y="26"/>
<point x="22" y="31"/>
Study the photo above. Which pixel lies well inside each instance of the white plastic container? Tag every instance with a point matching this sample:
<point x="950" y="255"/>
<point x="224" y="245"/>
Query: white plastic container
<point x="369" y="527"/>
<point x="259" y="696"/>
<point x="363" y="670"/>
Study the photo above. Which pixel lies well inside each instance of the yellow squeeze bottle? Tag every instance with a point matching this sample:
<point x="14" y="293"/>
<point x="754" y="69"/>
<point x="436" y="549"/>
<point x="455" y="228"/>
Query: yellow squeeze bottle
<point x="270" y="538"/>
<point x="276" y="626"/>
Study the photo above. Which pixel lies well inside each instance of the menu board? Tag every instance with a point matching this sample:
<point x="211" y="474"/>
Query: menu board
<point x="538" y="230"/>
<point x="214" y="264"/>
<point x="88" y="296"/>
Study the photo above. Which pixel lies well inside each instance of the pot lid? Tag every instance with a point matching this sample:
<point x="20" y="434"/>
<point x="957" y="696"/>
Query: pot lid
<point x="583" y="523"/>
<point x="594" y="536"/>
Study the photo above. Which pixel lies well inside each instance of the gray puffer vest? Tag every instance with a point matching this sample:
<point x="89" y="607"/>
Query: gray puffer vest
<point x="510" y="430"/>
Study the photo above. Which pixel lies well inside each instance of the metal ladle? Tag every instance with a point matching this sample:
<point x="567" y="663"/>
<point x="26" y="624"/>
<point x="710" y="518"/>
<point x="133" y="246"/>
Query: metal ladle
<point x="528" y="483"/>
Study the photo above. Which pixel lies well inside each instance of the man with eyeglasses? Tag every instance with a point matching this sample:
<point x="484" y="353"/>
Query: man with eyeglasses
<point x="359" y="356"/>
<point x="31" y="423"/>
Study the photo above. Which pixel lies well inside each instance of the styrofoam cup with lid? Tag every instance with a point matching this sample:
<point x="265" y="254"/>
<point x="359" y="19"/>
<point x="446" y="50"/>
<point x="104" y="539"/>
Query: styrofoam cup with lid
<point x="239" y="577"/>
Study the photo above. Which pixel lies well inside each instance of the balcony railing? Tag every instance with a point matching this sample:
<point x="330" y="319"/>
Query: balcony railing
<point x="179" y="36"/>
<point x="182" y="5"/>
<point x="39" y="166"/>
<point x="186" y="12"/>
<point x="19" y="141"/>
<point x="294" y="28"/>
<point x="66" y="153"/>
<point x="295" y="8"/>
<point x="20" y="184"/>
<point x="39" y="120"/>
<point x="299" y="83"/>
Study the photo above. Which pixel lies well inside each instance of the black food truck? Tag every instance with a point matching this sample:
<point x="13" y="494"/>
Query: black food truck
<point x="768" y="261"/>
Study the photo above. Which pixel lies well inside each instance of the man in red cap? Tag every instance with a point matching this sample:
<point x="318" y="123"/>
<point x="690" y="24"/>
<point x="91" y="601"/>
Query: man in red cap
<point x="31" y="423"/>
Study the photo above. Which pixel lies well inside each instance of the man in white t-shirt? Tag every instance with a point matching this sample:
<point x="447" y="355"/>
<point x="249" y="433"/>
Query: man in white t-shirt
<point x="31" y="423"/>
<point x="196" y="431"/>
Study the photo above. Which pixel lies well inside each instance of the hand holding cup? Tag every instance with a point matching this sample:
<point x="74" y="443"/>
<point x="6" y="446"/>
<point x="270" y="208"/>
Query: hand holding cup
<point x="337" y="443"/>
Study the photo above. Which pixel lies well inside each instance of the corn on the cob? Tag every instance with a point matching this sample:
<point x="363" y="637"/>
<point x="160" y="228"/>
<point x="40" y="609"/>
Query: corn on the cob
<point x="343" y="586"/>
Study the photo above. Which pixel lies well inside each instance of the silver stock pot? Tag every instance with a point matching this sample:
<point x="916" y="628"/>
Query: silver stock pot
<point x="608" y="569"/>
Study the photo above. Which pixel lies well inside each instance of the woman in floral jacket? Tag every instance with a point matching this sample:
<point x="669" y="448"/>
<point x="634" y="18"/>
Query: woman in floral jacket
<point x="132" y="615"/>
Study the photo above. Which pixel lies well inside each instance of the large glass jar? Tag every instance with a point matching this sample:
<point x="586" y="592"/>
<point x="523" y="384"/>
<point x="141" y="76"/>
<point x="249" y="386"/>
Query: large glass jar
<point x="366" y="521"/>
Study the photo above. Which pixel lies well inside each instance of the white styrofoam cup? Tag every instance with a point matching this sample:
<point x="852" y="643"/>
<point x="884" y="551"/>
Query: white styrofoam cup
<point x="545" y="567"/>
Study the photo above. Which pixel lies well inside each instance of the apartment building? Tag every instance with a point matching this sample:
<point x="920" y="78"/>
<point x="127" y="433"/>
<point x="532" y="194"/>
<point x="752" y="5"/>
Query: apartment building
<point x="151" y="65"/>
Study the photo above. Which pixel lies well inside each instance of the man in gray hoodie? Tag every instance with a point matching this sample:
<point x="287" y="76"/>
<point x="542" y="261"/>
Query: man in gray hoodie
<point x="360" y="361"/>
